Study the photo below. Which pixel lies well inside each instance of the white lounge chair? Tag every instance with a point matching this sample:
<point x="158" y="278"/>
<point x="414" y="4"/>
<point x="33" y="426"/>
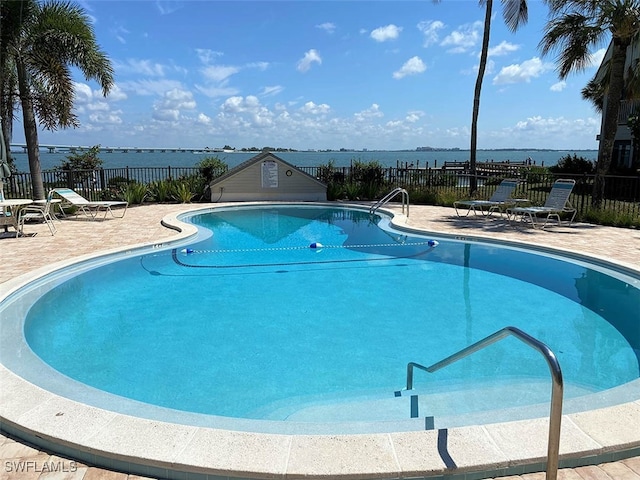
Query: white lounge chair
<point x="557" y="203"/>
<point x="89" y="208"/>
<point x="499" y="200"/>
<point x="40" y="212"/>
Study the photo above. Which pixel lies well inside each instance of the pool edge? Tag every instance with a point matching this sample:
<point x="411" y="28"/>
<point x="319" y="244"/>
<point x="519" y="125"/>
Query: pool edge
<point x="493" y="450"/>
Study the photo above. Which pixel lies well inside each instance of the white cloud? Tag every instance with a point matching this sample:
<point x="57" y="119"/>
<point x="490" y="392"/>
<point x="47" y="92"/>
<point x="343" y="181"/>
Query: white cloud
<point x="82" y="93"/>
<point x="87" y="100"/>
<point x="166" y="114"/>
<point x="327" y="27"/>
<point x="504" y="48"/>
<point x="559" y="86"/>
<point x="98" y="106"/>
<point x="203" y="119"/>
<point x="219" y="73"/>
<point x="111" y="118"/>
<point x="140" y="67"/>
<point x="314" y="109"/>
<point x="150" y="87"/>
<point x="217" y="91"/>
<point x="244" y="113"/>
<point x="489" y="69"/>
<point x="120" y="33"/>
<point x="465" y="38"/>
<point x="310" y="57"/>
<point x="524" y="72"/>
<point x="370" y="113"/>
<point x="414" y="116"/>
<point x="259" y="65"/>
<point x="172" y="103"/>
<point x="430" y="29"/>
<point x="550" y="131"/>
<point x="597" y="57"/>
<point x="272" y="90"/>
<point x="166" y="7"/>
<point x="116" y="94"/>
<point x="412" y="66"/>
<point x="389" y="32"/>
<point x="206" y="55"/>
<point x="217" y="77"/>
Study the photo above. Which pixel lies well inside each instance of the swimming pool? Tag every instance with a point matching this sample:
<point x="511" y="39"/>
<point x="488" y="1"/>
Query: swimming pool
<point x="335" y="350"/>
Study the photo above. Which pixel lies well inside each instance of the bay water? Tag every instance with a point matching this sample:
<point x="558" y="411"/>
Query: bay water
<point x="399" y="158"/>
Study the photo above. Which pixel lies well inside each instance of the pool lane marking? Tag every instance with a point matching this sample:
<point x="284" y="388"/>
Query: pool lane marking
<point x="178" y="261"/>
<point x="280" y="249"/>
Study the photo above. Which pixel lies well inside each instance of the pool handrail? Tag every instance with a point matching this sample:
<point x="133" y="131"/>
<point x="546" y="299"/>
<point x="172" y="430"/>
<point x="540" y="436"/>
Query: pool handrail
<point x="555" y="414"/>
<point x="387" y="198"/>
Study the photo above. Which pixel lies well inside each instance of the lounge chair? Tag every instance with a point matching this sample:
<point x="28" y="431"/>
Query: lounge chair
<point x="557" y="203"/>
<point x="39" y="212"/>
<point x="500" y="199"/>
<point x="89" y="208"/>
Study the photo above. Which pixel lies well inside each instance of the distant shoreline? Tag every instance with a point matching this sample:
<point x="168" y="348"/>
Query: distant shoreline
<point x="343" y="158"/>
<point x="106" y="149"/>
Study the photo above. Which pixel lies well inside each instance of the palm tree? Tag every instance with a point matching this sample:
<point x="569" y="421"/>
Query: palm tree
<point x="51" y="37"/>
<point x="574" y="28"/>
<point x="514" y="13"/>
<point x="9" y="29"/>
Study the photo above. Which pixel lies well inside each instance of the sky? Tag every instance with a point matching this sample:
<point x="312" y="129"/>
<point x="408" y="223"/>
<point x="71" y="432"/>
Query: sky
<point x="376" y="75"/>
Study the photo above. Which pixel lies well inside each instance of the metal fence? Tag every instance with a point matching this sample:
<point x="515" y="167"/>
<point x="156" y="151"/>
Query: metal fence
<point x="622" y="193"/>
<point x="94" y="183"/>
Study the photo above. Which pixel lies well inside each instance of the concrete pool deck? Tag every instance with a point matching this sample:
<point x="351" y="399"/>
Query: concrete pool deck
<point x="498" y="448"/>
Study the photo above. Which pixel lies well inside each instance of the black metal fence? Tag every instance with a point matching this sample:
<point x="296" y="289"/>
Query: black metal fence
<point x="622" y="193"/>
<point x="93" y="184"/>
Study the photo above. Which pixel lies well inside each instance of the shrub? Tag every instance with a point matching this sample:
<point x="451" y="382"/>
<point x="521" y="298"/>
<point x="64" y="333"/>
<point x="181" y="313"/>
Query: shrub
<point x="196" y="184"/>
<point x="161" y="190"/>
<point x="423" y="197"/>
<point x="211" y="167"/>
<point x="88" y="160"/>
<point x="328" y="174"/>
<point x="134" y="193"/>
<point x="370" y="190"/>
<point x="351" y="191"/>
<point x="335" y="191"/>
<point x="536" y="174"/>
<point x="573" y="164"/>
<point x="611" y="218"/>
<point x="367" y="172"/>
<point x="182" y="192"/>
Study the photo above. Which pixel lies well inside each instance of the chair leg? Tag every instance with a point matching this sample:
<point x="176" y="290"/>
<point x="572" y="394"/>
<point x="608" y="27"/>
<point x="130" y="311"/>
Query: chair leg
<point x="49" y="221"/>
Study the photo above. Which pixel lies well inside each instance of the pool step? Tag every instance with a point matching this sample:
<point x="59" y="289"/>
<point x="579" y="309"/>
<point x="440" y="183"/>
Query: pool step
<point x="440" y="406"/>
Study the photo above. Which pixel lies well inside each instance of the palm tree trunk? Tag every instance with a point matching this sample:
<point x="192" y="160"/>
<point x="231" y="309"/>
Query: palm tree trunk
<point x="30" y="134"/>
<point x="610" y="124"/>
<point x="473" y="184"/>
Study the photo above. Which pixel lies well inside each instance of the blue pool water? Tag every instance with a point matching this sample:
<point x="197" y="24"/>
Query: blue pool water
<point x="253" y="323"/>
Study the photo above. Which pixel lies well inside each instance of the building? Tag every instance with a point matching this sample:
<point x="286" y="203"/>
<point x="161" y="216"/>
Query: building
<point x="625" y="153"/>
<point x="267" y="177"/>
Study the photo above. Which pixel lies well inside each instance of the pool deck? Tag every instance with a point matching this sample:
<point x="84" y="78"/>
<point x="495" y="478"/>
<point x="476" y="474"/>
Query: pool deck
<point x="601" y="433"/>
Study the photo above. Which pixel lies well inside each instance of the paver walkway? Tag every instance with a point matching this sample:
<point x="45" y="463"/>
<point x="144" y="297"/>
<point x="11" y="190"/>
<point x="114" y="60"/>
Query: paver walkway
<point x="141" y="224"/>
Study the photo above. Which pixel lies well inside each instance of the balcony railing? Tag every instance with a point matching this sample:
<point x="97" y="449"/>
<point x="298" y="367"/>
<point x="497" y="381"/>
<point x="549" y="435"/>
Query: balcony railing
<point x="627" y="108"/>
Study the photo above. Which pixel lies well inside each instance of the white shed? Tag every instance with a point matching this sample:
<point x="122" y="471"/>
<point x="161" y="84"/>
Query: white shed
<point x="267" y="177"/>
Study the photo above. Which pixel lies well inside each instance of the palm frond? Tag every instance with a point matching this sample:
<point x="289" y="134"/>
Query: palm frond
<point x="594" y="92"/>
<point x="515" y="13"/>
<point x="572" y="37"/>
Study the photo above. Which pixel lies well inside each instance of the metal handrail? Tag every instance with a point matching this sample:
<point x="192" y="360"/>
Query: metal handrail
<point x="387" y="198"/>
<point x="555" y="415"/>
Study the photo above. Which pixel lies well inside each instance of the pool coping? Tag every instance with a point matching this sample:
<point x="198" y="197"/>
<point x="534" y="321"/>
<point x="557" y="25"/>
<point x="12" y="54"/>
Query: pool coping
<point x="166" y="450"/>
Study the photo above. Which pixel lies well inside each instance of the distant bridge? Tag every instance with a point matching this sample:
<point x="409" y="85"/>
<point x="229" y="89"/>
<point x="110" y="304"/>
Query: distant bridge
<point x="80" y="148"/>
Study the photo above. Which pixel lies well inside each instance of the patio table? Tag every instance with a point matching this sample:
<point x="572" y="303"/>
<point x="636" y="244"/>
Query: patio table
<point x="13" y="205"/>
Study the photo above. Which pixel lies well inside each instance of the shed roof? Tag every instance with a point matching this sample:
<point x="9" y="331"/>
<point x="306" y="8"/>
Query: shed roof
<point x="260" y="158"/>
